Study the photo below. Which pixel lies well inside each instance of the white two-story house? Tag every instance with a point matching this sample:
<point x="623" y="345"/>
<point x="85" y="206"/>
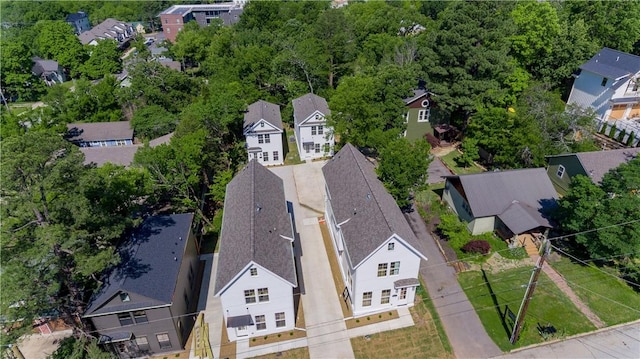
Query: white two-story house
<point x="609" y="84"/>
<point x="256" y="272"/>
<point x="314" y="138"/>
<point x="378" y="253"/>
<point x="263" y="133"/>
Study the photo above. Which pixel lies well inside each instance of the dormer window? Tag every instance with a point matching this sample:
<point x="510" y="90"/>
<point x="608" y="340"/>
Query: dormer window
<point x="604" y="82"/>
<point x="124" y="297"/>
<point x="261" y="124"/>
<point x="254" y="272"/>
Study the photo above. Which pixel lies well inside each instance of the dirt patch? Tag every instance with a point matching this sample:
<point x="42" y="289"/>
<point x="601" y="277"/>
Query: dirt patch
<point x="371" y="319"/>
<point x="497" y="263"/>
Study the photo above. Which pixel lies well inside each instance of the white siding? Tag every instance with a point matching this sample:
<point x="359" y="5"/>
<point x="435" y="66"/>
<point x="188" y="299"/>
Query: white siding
<point x="274" y="145"/>
<point x="587" y="92"/>
<point x="456" y="202"/>
<point x="366" y="278"/>
<point x="280" y="300"/>
<point x="304" y="134"/>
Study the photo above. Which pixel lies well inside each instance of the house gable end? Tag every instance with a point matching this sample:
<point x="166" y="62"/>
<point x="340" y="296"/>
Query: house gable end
<point x="311" y="120"/>
<point x="384" y="245"/>
<point x="123" y="301"/>
<point x="262" y="126"/>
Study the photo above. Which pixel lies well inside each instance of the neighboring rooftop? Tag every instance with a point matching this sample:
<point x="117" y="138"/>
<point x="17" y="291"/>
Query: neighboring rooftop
<point x="520" y="196"/>
<point x="359" y="200"/>
<point x="256" y="226"/>
<point x="108" y="29"/>
<point x="99" y="131"/>
<point x="41" y="66"/>
<point x="76" y="16"/>
<point x="417" y="93"/>
<point x="598" y="163"/>
<point x="306" y="105"/>
<point x="149" y="267"/>
<point x="612" y="64"/>
<point x="263" y="110"/>
<point x="184" y="9"/>
<point x="118" y="155"/>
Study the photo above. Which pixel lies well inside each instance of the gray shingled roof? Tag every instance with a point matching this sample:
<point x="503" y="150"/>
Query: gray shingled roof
<point x="306" y="105"/>
<point x="99" y="131"/>
<point x="262" y="110"/>
<point x="118" y="155"/>
<point x="598" y="163"/>
<point x="109" y="26"/>
<point x="254" y="222"/>
<point x="612" y="64"/>
<point x="359" y="197"/>
<point x="492" y="193"/>
<point x="150" y="264"/>
<point x="41" y="66"/>
<point x="416" y="95"/>
<point x="520" y="217"/>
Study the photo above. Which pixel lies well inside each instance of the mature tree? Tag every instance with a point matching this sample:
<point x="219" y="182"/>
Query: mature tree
<point x="403" y="168"/>
<point x="470" y="58"/>
<point x="333" y="32"/>
<point x="60" y="221"/>
<point x="152" y="83"/>
<point x="104" y="60"/>
<point x="153" y="121"/>
<point x="56" y="41"/>
<point x="537" y="28"/>
<point x="16" y="79"/>
<point x="469" y="152"/>
<point x="192" y="42"/>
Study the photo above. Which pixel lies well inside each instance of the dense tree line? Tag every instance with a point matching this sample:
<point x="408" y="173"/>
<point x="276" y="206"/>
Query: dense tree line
<point x="497" y="69"/>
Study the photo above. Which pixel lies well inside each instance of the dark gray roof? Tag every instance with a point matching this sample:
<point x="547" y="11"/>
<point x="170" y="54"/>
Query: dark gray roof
<point x="108" y="29"/>
<point x="239" y="321"/>
<point x="612" y="64"/>
<point x="263" y="110"/>
<point x="254" y="222"/>
<point x="306" y="105"/>
<point x="418" y="93"/>
<point x="41" y="66"/>
<point x="76" y="16"/>
<point x="598" y="163"/>
<point x="99" y="131"/>
<point x="492" y="193"/>
<point x="406" y="282"/>
<point x="150" y="262"/>
<point x="520" y="217"/>
<point x="359" y="197"/>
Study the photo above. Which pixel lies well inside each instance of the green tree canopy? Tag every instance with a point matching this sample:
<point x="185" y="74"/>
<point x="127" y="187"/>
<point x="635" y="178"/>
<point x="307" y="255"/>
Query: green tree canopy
<point x="104" y="60"/>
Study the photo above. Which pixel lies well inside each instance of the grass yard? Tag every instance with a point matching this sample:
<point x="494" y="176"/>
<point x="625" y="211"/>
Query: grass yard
<point x="300" y="353"/>
<point x="450" y="160"/>
<point x="609" y="298"/>
<point x="549" y="306"/>
<point x="424" y="340"/>
<point x="293" y="157"/>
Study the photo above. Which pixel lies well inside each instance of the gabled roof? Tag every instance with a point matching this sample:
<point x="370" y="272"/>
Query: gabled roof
<point x="612" y="64"/>
<point x="76" y="16"/>
<point x="99" y="131"/>
<point x="495" y="193"/>
<point x="597" y="163"/>
<point x="357" y="196"/>
<point x="262" y="110"/>
<point x="150" y="263"/>
<point x="118" y="155"/>
<point x="306" y="105"/>
<point x="256" y="227"/>
<point x="417" y="94"/>
<point x="41" y="66"/>
<point x="108" y="29"/>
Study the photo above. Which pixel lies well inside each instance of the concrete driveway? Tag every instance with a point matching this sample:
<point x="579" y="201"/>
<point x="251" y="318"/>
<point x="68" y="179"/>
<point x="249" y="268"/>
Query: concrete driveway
<point x="460" y="321"/>
<point x="326" y="331"/>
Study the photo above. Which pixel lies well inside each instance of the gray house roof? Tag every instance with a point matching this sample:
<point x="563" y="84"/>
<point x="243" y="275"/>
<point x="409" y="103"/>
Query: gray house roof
<point x="495" y="193"/>
<point x="598" y="163"/>
<point x="99" y="131"/>
<point x="41" y="66"/>
<point x="150" y="264"/>
<point x="306" y="105"/>
<point x="262" y="110"/>
<point x="118" y="155"/>
<point x="612" y="64"/>
<point x="76" y="16"/>
<point x="359" y="197"/>
<point x="417" y="93"/>
<point x="108" y="29"/>
<point x="254" y="222"/>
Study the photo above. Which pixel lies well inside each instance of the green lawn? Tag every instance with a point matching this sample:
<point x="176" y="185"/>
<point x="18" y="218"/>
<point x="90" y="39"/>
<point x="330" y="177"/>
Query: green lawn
<point x="609" y="298"/>
<point x="450" y="160"/>
<point x="548" y="306"/>
<point x="292" y="158"/>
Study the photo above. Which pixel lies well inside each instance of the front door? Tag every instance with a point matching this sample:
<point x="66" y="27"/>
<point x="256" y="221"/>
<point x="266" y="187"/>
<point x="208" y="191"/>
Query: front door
<point x="402" y="297"/>
<point x="242" y="331"/>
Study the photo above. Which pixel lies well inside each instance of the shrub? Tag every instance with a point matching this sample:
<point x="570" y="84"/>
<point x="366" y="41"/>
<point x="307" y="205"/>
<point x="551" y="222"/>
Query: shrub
<point x="368" y="318"/>
<point x="632" y="136"/>
<point x="612" y="132"/>
<point x="291" y="333"/>
<point x="279" y="335"/>
<point x="621" y="136"/>
<point x="477" y="246"/>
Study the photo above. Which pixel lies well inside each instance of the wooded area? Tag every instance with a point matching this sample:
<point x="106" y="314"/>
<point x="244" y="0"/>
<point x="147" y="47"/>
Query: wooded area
<point x="499" y="71"/>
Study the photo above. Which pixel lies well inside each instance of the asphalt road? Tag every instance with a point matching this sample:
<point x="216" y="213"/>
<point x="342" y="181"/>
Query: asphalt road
<point x="460" y="321"/>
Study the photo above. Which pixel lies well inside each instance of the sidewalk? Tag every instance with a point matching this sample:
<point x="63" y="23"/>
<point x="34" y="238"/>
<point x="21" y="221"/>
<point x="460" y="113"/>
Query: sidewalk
<point x="243" y="350"/>
<point x="404" y="320"/>
<point x="327" y="336"/>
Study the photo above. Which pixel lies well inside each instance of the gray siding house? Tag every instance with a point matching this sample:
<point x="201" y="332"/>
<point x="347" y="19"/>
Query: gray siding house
<point x="510" y="202"/>
<point x="256" y="274"/>
<point x="141" y="308"/>
<point x="562" y="168"/>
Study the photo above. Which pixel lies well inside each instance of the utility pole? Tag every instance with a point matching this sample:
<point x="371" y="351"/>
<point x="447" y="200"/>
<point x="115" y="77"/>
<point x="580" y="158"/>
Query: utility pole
<point x="529" y="293"/>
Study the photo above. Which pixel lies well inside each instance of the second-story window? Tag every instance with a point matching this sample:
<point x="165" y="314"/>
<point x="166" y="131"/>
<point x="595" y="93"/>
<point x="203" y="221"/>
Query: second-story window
<point x="250" y="296"/>
<point x="395" y="268"/>
<point x="260" y="138"/>
<point x="320" y="130"/>
<point x="263" y="294"/>
<point x="382" y="269"/>
<point x="313" y="130"/>
<point x="125" y="319"/>
<point x="140" y="317"/>
<point x="267" y="138"/>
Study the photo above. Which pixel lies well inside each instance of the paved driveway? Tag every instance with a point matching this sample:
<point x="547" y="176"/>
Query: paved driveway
<point x="326" y="331"/>
<point x="621" y="341"/>
<point x="460" y="321"/>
